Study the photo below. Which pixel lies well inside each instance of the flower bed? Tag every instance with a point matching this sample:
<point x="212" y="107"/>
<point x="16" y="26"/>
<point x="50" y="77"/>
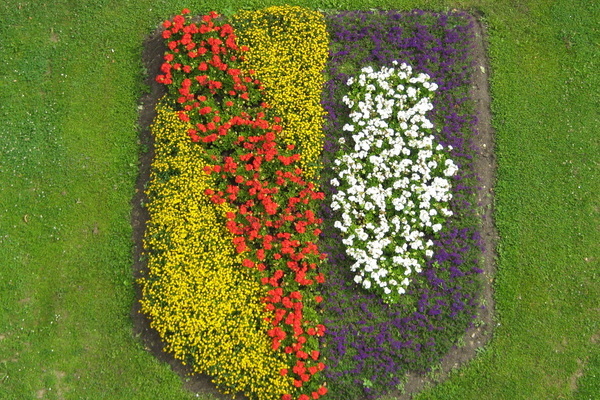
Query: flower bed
<point x="250" y="185"/>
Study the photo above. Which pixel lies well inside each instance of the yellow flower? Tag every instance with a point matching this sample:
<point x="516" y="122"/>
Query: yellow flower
<point x="288" y="51"/>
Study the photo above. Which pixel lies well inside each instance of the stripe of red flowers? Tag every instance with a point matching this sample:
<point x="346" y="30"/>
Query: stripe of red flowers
<point x="278" y="240"/>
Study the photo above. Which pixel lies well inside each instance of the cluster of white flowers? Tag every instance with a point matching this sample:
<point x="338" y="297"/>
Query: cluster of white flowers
<point x="393" y="190"/>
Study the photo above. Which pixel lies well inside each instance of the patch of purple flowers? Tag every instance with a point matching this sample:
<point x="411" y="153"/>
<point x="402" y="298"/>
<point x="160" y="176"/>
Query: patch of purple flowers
<point x="370" y="345"/>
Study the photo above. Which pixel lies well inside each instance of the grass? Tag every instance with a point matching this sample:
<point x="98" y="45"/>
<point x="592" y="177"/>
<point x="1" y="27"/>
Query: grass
<point x="68" y="145"/>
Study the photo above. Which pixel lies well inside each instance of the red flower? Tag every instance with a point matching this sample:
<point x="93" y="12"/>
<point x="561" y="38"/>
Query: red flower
<point x="209" y="138"/>
<point x="287" y="302"/>
<point x="301" y="354"/>
<point x="300" y="228"/>
<point x="183" y="116"/>
<point x="296" y="295"/>
<point x="314" y="354"/>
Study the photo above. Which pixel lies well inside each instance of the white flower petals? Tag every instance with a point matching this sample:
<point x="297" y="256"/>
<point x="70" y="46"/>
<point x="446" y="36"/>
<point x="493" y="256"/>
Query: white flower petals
<point x="393" y="187"/>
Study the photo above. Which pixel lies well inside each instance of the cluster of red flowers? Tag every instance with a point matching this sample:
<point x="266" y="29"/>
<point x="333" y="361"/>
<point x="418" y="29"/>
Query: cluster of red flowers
<point x="274" y="226"/>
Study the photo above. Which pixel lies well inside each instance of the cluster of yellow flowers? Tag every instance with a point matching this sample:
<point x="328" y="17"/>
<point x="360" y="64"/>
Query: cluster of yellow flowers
<point x="204" y="304"/>
<point x="288" y="51"/>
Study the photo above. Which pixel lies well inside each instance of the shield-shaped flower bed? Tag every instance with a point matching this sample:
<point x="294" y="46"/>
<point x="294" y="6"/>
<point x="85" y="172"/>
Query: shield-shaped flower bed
<point x="312" y="226"/>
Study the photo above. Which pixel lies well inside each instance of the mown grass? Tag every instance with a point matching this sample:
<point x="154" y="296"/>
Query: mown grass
<point x="70" y="79"/>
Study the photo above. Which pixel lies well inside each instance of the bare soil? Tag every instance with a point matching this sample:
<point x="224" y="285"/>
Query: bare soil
<point x="485" y="167"/>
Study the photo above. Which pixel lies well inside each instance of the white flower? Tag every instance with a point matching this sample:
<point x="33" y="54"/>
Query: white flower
<point x="392" y="186"/>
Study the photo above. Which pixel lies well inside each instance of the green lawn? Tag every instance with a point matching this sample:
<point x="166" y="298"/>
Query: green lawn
<point x="70" y="79"/>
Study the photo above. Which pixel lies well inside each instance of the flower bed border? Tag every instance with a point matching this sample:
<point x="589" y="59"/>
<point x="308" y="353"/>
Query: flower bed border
<point x="484" y="165"/>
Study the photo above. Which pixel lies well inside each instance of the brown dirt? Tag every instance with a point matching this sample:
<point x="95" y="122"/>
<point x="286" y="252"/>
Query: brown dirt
<point x="485" y="167"/>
